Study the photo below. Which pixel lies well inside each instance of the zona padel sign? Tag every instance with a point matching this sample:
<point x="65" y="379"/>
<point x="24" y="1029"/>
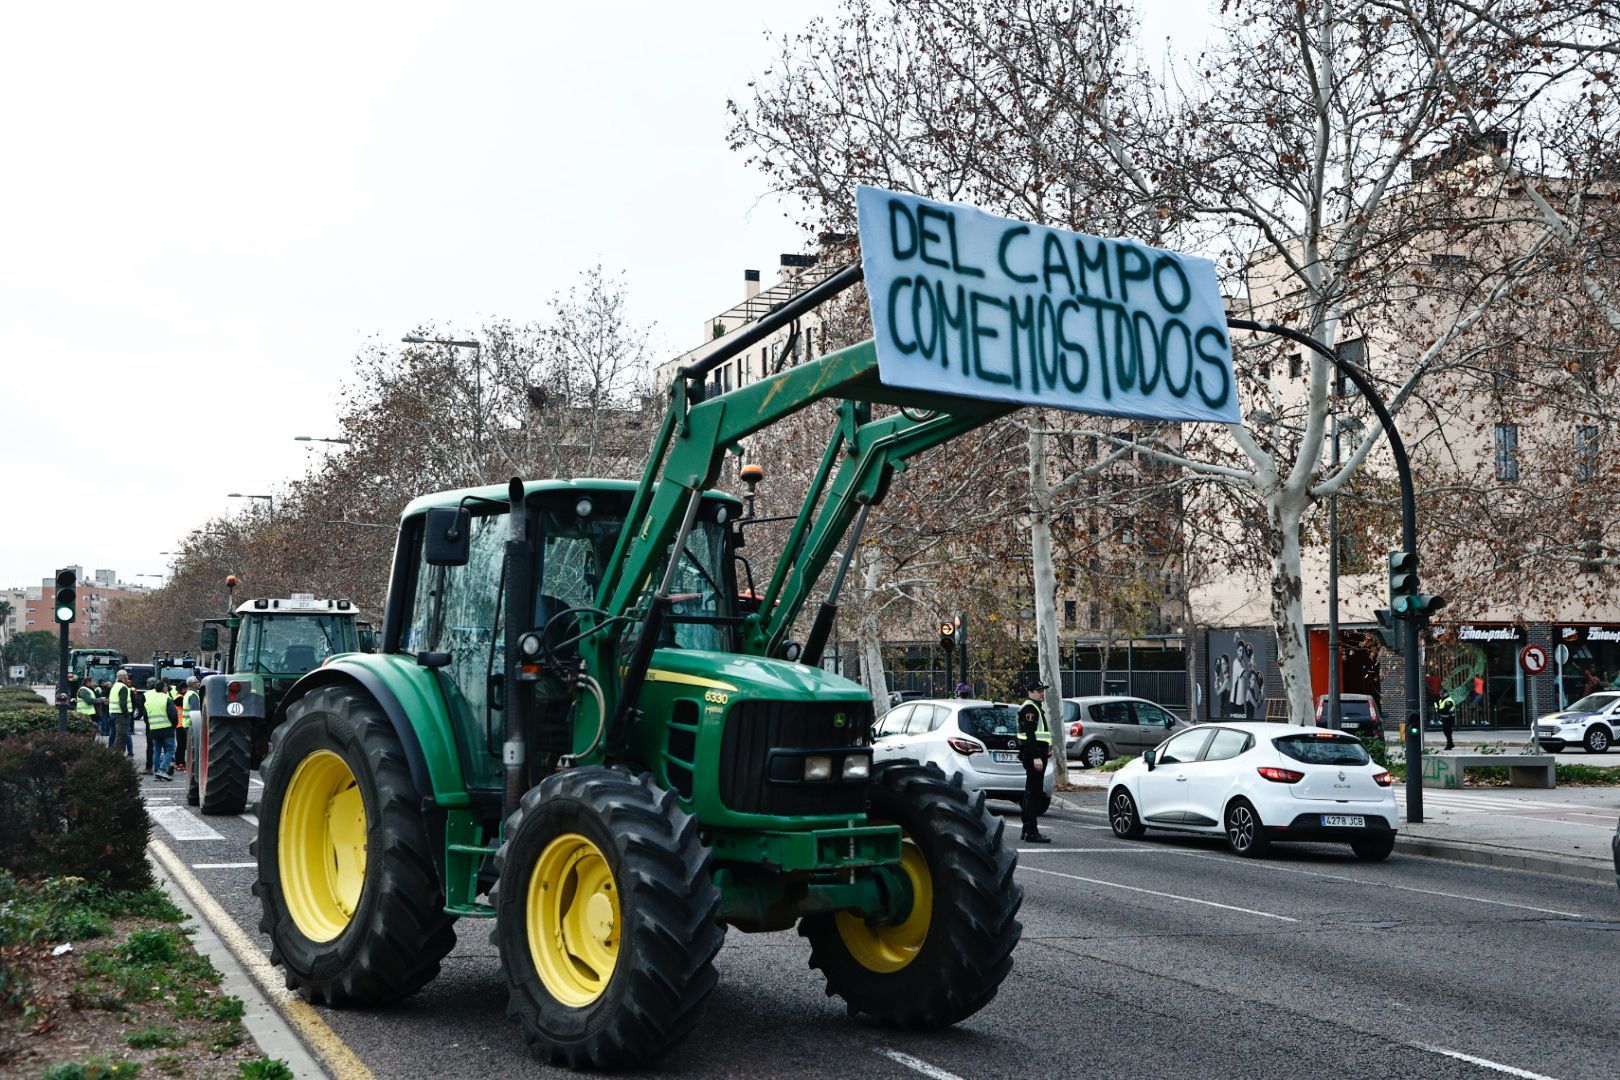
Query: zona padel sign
<point x="968" y="303"/>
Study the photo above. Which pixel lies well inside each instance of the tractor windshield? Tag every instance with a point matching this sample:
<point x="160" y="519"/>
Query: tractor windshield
<point x="292" y="644"/>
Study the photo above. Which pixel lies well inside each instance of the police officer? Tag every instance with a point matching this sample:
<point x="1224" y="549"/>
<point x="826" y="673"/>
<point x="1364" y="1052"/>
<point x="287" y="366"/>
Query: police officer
<point x="1446" y="710"/>
<point x="1034" y="748"/>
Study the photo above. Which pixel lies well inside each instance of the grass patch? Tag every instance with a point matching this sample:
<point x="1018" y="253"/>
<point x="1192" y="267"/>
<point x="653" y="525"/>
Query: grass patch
<point x="156" y="1038"/>
<point x="151" y="964"/>
<point x="169" y="1064"/>
<point x="1116" y="764"/>
<point x="264" y="1069"/>
<point x="95" y="1069"/>
<point x="71" y="909"/>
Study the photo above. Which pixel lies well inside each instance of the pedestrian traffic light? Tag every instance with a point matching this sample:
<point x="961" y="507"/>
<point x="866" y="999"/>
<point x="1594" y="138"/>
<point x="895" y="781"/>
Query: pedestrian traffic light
<point x="947" y="635"/>
<point x="1389" y="631"/>
<point x="67" y="597"/>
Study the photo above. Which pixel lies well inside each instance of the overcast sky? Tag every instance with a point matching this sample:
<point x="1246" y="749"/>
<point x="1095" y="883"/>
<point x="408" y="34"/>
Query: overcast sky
<point x="208" y="208"/>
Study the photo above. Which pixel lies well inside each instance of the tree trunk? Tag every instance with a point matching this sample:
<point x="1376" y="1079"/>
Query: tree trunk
<point x="868" y="638"/>
<point x="1287" y="611"/>
<point x="1046" y="626"/>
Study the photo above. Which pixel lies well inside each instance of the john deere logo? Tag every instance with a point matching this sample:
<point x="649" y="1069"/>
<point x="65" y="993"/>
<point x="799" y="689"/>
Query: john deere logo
<point x="838" y="720"/>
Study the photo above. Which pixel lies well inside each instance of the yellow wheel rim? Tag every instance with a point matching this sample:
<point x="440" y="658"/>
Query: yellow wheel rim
<point x="573" y="920"/>
<point x="890" y="948"/>
<point x="321" y="846"/>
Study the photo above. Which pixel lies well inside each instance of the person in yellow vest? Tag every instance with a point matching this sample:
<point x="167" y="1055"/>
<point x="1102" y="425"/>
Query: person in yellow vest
<point x="190" y="709"/>
<point x="84" y="700"/>
<point x="121" y="712"/>
<point x="160" y="718"/>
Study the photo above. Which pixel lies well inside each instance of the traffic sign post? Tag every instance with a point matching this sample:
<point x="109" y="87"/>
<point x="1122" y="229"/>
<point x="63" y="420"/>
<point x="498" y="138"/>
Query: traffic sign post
<point x="1533" y="662"/>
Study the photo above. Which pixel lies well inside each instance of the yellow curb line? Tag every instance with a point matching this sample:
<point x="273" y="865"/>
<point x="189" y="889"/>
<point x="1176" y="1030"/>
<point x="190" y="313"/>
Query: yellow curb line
<point x="334" y="1053"/>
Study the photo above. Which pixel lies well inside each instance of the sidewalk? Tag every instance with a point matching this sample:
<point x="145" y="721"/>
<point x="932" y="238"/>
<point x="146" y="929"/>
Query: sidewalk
<point x="1566" y="831"/>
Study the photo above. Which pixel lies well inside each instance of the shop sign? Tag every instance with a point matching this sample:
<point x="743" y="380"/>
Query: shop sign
<point x="1490" y="633"/>
<point x="1574" y="634"/>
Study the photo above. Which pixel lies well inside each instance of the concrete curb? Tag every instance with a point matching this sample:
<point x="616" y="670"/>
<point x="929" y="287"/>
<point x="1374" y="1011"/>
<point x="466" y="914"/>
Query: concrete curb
<point x="1506" y="858"/>
<point x="261" y="1018"/>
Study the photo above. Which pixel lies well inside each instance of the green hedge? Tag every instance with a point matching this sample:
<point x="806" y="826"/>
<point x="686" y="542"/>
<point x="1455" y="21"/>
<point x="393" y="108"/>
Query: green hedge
<point x="23" y="712"/>
<point x="72" y="807"/>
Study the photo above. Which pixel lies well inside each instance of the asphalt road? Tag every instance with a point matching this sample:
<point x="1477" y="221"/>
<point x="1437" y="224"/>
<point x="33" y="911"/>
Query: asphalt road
<point x="1166" y="957"/>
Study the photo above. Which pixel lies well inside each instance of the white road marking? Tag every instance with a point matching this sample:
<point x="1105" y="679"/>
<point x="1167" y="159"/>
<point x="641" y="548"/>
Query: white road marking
<point x="179" y="823"/>
<point x="917" y="1065"/>
<point x="250" y="819"/>
<point x="1095" y="850"/>
<point x="1484" y="1063"/>
<point x="1155" y="892"/>
<point x="157" y="798"/>
<point x="1403" y="888"/>
<point x="223" y="865"/>
<point x="255" y="780"/>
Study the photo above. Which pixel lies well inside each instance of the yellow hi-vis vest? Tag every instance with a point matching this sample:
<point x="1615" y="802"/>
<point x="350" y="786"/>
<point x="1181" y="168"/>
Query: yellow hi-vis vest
<point x="118" y="700"/>
<point x="193" y="709"/>
<point x="1042" y="734"/>
<point x="157" y="711"/>
<point x="85" y="705"/>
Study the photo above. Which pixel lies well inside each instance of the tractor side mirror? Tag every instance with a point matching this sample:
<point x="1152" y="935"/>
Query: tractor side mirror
<point x="368" y="641"/>
<point x="448" y="538"/>
<point x="209" y="639"/>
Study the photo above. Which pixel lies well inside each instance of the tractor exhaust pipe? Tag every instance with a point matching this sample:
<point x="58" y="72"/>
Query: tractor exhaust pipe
<point x="519" y="617"/>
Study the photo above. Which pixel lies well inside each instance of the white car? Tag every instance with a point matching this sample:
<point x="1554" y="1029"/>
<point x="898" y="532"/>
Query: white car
<point x="1590" y="722"/>
<point x="978" y="739"/>
<point x="1255" y="783"/>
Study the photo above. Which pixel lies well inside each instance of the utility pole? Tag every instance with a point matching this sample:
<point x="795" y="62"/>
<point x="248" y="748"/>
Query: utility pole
<point x="1335" y="687"/>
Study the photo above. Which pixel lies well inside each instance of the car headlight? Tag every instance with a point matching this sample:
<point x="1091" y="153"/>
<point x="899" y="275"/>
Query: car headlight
<point x="818" y="767"/>
<point x="857" y="767"/>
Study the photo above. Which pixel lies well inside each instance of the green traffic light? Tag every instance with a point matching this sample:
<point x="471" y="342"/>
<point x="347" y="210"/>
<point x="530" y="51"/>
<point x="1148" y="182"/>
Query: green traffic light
<point x="64" y="614"/>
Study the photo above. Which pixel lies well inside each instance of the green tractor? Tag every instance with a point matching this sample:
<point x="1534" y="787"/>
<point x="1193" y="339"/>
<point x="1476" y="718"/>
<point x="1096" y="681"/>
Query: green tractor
<point x="94" y="664"/>
<point x="273" y="642"/>
<point x="588" y="722"/>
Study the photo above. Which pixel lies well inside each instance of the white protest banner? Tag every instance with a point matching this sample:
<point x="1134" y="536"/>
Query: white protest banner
<point x="968" y="303"/>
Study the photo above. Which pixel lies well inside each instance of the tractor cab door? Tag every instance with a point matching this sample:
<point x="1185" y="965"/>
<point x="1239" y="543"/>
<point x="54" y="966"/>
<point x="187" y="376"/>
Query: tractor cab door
<point x="457" y="610"/>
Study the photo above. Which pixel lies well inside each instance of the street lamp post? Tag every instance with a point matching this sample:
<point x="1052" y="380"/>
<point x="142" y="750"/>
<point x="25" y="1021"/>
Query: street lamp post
<point x="271" y="499"/>
<point x="317" y="438"/>
<point x="478" y="381"/>
<point x="1335" y="686"/>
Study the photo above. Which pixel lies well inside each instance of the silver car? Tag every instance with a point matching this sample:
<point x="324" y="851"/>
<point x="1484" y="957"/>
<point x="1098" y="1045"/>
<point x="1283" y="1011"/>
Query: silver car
<point x="978" y="739"/>
<point x="1099" y="729"/>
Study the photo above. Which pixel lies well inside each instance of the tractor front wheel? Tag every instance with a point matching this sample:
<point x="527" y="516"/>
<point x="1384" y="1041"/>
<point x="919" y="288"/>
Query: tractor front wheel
<point x="347" y="887"/>
<point x="605" y="918"/>
<point x="947" y="959"/>
<point x="221" y="751"/>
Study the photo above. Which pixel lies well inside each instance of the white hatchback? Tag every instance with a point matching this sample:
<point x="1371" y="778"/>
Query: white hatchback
<point x="1255" y="783"/>
<point x="978" y="739"/>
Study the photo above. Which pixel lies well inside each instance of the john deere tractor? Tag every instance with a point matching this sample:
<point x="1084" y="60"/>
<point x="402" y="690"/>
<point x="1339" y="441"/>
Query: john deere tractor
<point x="574" y="729"/>
<point x="273" y="642"/>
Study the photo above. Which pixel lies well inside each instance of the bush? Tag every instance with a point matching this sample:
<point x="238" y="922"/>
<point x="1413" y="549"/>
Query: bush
<point x="71" y="807"/>
<point x="95" y="1069"/>
<point x="26" y="712"/>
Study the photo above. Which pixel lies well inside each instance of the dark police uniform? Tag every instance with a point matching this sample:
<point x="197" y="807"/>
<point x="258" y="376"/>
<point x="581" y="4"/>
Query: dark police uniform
<point x="1034" y="744"/>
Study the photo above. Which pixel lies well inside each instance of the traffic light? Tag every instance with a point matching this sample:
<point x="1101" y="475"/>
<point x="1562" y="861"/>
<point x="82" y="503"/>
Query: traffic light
<point x="1389" y="631"/>
<point x="947" y="635"/>
<point x="1420" y="604"/>
<point x="1405" y="602"/>
<point x="67" y="597"/>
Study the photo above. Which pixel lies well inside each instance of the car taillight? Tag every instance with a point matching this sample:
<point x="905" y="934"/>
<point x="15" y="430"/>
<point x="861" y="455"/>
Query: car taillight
<point x="965" y="747"/>
<point x="1280" y="776"/>
<point x="232" y="690"/>
<point x="1075" y="729"/>
<point x="1383" y="779"/>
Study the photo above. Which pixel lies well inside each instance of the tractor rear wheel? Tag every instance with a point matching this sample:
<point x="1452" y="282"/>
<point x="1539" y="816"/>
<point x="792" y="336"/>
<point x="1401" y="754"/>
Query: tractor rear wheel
<point x="221" y="748"/>
<point x="347" y="887"/>
<point x="948" y="958"/>
<point x="605" y="918"/>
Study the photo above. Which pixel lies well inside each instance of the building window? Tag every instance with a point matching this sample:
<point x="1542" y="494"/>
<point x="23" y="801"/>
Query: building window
<point x="1507" y="451"/>
<point x="1091" y="448"/>
<point x="809" y="343"/>
<point x="1069" y="612"/>
<point x="1296" y="366"/>
<point x="1354" y="352"/>
<point x="1586" y="445"/>
<point x="1445" y="260"/>
<point x="1092" y="614"/>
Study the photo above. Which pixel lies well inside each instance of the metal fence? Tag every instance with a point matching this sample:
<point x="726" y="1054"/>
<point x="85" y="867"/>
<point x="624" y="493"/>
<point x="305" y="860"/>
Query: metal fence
<point x="1167" y="688"/>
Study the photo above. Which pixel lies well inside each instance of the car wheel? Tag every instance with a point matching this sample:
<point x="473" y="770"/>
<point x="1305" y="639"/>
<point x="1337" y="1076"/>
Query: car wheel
<point x="1373" y="848"/>
<point x="1244" y="834"/>
<point x="1095" y="756"/>
<point x="1597" y="739"/>
<point x="1123" y="817"/>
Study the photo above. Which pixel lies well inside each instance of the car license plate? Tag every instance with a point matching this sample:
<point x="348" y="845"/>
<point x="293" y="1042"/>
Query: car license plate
<point x="1344" y="821"/>
<point x="1005" y="757"/>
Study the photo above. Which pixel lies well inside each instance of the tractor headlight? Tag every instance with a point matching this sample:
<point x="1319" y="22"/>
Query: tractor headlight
<point x="857" y="767"/>
<point x="529" y="644"/>
<point x="818" y="767"/>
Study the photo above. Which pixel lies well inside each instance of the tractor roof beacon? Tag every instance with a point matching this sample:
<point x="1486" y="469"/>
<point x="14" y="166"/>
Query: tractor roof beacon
<point x="625" y="755"/>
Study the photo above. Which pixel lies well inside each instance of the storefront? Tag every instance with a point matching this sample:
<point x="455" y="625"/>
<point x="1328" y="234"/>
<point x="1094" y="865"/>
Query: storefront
<point x="1586" y="658"/>
<point x="1476" y="665"/>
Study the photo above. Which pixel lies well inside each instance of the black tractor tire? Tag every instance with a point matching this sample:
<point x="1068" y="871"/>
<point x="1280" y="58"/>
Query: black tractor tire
<point x="1094" y="755"/>
<point x="398" y="933"/>
<point x="1598" y="739"/>
<point x="665" y="929"/>
<point x="224" y="752"/>
<point x="1245" y="834"/>
<point x="1122" y="815"/>
<point x="192" y="796"/>
<point x="1373" y="848"/>
<point x="972" y="924"/>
